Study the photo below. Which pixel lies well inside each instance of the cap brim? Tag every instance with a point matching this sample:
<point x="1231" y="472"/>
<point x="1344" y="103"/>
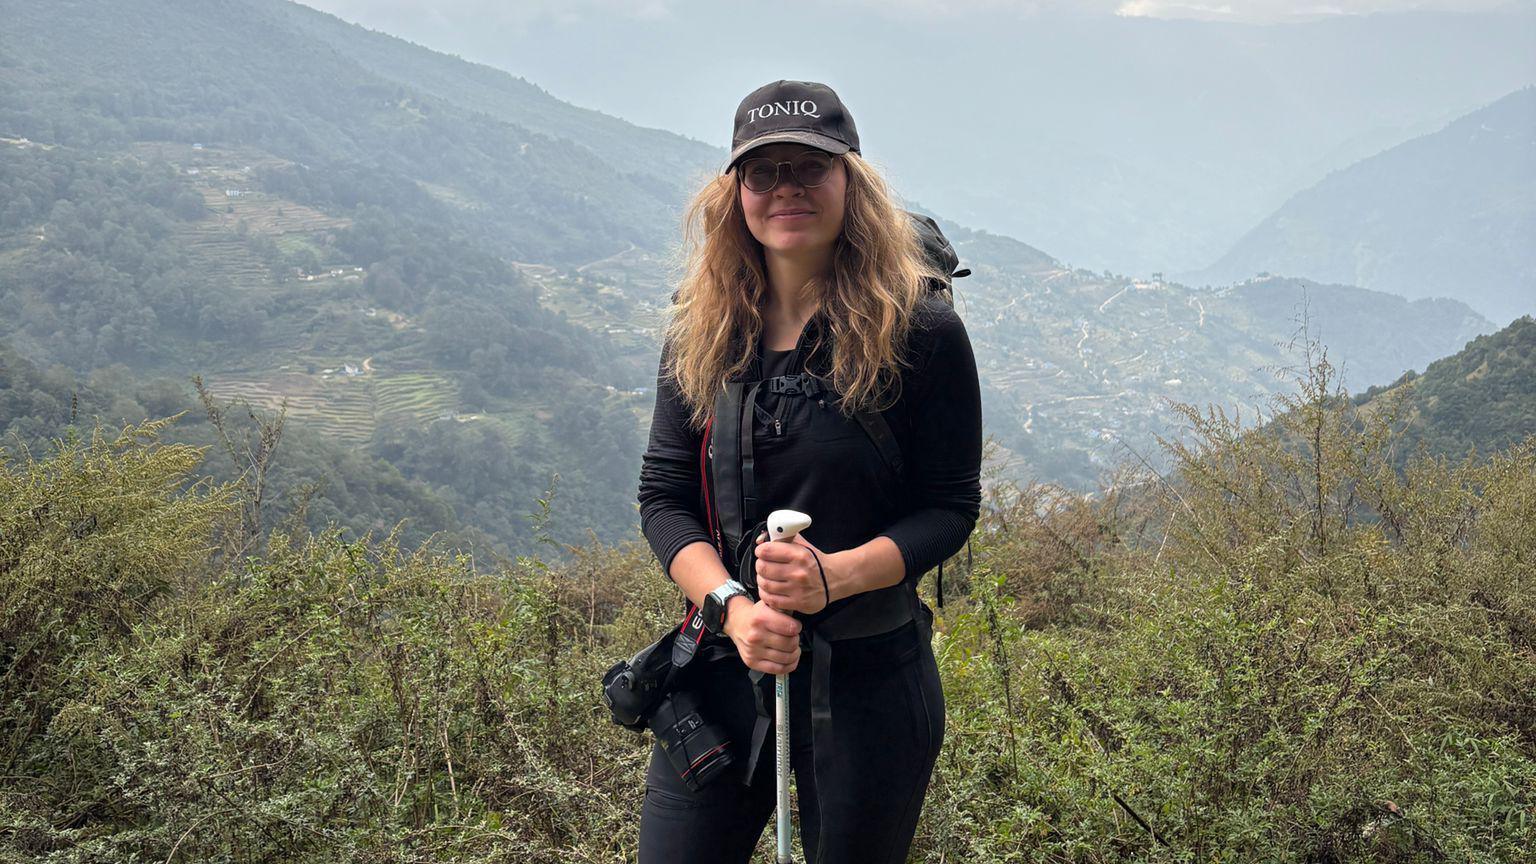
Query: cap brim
<point x="792" y="136"/>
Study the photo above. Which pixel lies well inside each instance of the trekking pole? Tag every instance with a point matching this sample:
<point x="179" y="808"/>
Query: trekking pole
<point x="783" y="525"/>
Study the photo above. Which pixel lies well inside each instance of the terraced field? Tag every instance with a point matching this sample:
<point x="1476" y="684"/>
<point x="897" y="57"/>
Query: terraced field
<point x="222" y="257"/>
<point x="217" y="248"/>
<point x="413" y="396"/>
<point x="629" y="320"/>
<point x="348" y="408"/>
<point x="217" y="243"/>
<point x="224" y="176"/>
<point x="341" y="407"/>
<point x="263" y="213"/>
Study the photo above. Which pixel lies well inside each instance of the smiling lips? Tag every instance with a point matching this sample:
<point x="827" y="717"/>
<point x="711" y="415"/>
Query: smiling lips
<point x="791" y="213"/>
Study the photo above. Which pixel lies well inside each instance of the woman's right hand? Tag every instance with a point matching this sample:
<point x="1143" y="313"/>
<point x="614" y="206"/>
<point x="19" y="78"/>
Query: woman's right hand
<point x="767" y="640"/>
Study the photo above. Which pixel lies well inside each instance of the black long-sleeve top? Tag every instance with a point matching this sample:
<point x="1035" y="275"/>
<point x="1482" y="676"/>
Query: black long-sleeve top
<point x="822" y="463"/>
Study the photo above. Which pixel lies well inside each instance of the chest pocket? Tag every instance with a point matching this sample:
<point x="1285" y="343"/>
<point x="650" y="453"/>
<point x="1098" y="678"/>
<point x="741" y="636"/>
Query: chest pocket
<point x="798" y="409"/>
<point x="799" y="413"/>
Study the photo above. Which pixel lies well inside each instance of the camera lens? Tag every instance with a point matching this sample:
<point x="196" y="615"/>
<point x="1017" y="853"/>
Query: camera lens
<point x="698" y="751"/>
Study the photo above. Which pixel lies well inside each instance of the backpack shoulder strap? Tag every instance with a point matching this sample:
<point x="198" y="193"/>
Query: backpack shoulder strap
<point x="731" y="461"/>
<point x="879" y="431"/>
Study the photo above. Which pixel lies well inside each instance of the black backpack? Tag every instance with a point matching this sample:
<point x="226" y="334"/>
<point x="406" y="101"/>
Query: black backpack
<point x="939" y="253"/>
<point x="726" y="500"/>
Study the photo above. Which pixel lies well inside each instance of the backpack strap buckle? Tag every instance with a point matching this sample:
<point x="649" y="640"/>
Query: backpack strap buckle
<point x="800" y="384"/>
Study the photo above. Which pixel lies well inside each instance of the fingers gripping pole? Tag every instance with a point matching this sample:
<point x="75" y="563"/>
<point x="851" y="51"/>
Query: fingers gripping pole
<point x="783" y="525"/>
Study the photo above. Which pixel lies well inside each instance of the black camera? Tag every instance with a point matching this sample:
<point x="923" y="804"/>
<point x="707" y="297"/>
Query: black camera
<point x="650" y="690"/>
<point x="699" y="752"/>
<point x="633" y="687"/>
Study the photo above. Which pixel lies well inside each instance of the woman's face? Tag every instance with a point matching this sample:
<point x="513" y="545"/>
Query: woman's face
<point x="789" y="218"/>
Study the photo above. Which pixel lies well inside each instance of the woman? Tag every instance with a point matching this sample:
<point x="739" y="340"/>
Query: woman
<point x="800" y="262"/>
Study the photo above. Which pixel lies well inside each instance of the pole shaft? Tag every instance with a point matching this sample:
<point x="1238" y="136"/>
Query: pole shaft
<point x="787" y="524"/>
<point x="781" y="723"/>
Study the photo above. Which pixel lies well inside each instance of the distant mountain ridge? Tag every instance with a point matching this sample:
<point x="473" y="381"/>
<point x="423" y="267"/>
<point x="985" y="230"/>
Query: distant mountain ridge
<point x="239" y="190"/>
<point x="1137" y="144"/>
<point x="263" y="73"/>
<point x="1372" y="336"/>
<point x="654" y="158"/>
<point x="1451" y="214"/>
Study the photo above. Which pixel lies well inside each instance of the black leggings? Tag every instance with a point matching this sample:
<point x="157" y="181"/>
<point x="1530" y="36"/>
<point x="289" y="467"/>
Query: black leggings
<point x="888" y="724"/>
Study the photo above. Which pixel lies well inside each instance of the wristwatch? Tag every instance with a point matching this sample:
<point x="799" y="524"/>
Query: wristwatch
<point x="717" y="601"/>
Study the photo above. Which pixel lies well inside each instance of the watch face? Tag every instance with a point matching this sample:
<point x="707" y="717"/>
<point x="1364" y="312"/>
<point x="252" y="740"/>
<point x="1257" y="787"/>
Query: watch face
<point x="717" y="602"/>
<point x="714" y="611"/>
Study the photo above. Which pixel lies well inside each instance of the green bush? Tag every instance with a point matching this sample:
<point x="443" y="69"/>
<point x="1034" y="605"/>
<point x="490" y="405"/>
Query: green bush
<point x="319" y="701"/>
<point x="1285" y="651"/>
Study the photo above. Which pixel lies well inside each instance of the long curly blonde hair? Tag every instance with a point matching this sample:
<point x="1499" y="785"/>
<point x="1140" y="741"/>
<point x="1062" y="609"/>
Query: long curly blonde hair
<point x="867" y="302"/>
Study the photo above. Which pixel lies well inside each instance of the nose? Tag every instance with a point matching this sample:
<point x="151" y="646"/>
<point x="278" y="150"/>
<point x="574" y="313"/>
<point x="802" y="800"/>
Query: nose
<point x="788" y="183"/>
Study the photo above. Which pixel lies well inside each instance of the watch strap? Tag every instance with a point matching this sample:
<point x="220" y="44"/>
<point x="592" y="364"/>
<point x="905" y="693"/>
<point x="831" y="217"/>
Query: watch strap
<point x="718" y="604"/>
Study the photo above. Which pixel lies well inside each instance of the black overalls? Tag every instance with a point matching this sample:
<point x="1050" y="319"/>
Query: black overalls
<point x="880" y="711"/>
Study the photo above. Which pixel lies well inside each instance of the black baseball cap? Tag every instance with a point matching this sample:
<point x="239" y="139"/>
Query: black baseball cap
<point x="803" y="112"/>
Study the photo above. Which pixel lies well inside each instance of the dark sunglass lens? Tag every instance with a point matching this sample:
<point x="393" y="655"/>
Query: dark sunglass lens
<point x="759" y="174"/>
<point x="812" y="168"/>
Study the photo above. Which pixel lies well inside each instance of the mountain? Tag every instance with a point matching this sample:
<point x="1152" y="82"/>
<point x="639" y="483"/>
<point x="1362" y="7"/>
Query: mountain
<point x="1079" y="369"/>
<point x="1116" y="141"/>
<point x="82" y="73"/>
<point x="1481" y="399"/>
<point x="1372" y="336"/>
<point x="408" y="252"/>
<point x="195" y="188"/>
<point x="661" y="162"/>
<point x="1451" y="214"/>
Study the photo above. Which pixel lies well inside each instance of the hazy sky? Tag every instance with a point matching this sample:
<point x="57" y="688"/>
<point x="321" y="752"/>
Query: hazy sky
<point x="1097" y="129"/>
<point x="381" y="13"/>
<point x="595" y="53"/>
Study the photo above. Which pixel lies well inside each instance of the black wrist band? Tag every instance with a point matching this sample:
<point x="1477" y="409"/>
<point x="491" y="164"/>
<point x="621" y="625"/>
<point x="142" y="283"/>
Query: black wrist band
<point x="823" y="578"/>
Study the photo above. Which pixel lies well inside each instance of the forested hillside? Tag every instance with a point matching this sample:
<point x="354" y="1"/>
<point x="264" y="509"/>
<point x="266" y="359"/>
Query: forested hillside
<point x="313" y="481"/>
<point x="445" y="269"/>
<point x="1480" y="400"/>
<point x="131" y="267"/>
<point x="276" y="224"/>
<point x="83" y="73"/>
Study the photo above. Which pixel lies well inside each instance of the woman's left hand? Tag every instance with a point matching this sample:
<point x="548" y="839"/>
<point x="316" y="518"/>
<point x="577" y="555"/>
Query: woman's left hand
<point x="787" y="576"/>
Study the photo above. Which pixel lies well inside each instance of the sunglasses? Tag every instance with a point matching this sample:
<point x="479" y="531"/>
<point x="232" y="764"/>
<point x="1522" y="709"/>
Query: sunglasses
<point x="809" y="169"/>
